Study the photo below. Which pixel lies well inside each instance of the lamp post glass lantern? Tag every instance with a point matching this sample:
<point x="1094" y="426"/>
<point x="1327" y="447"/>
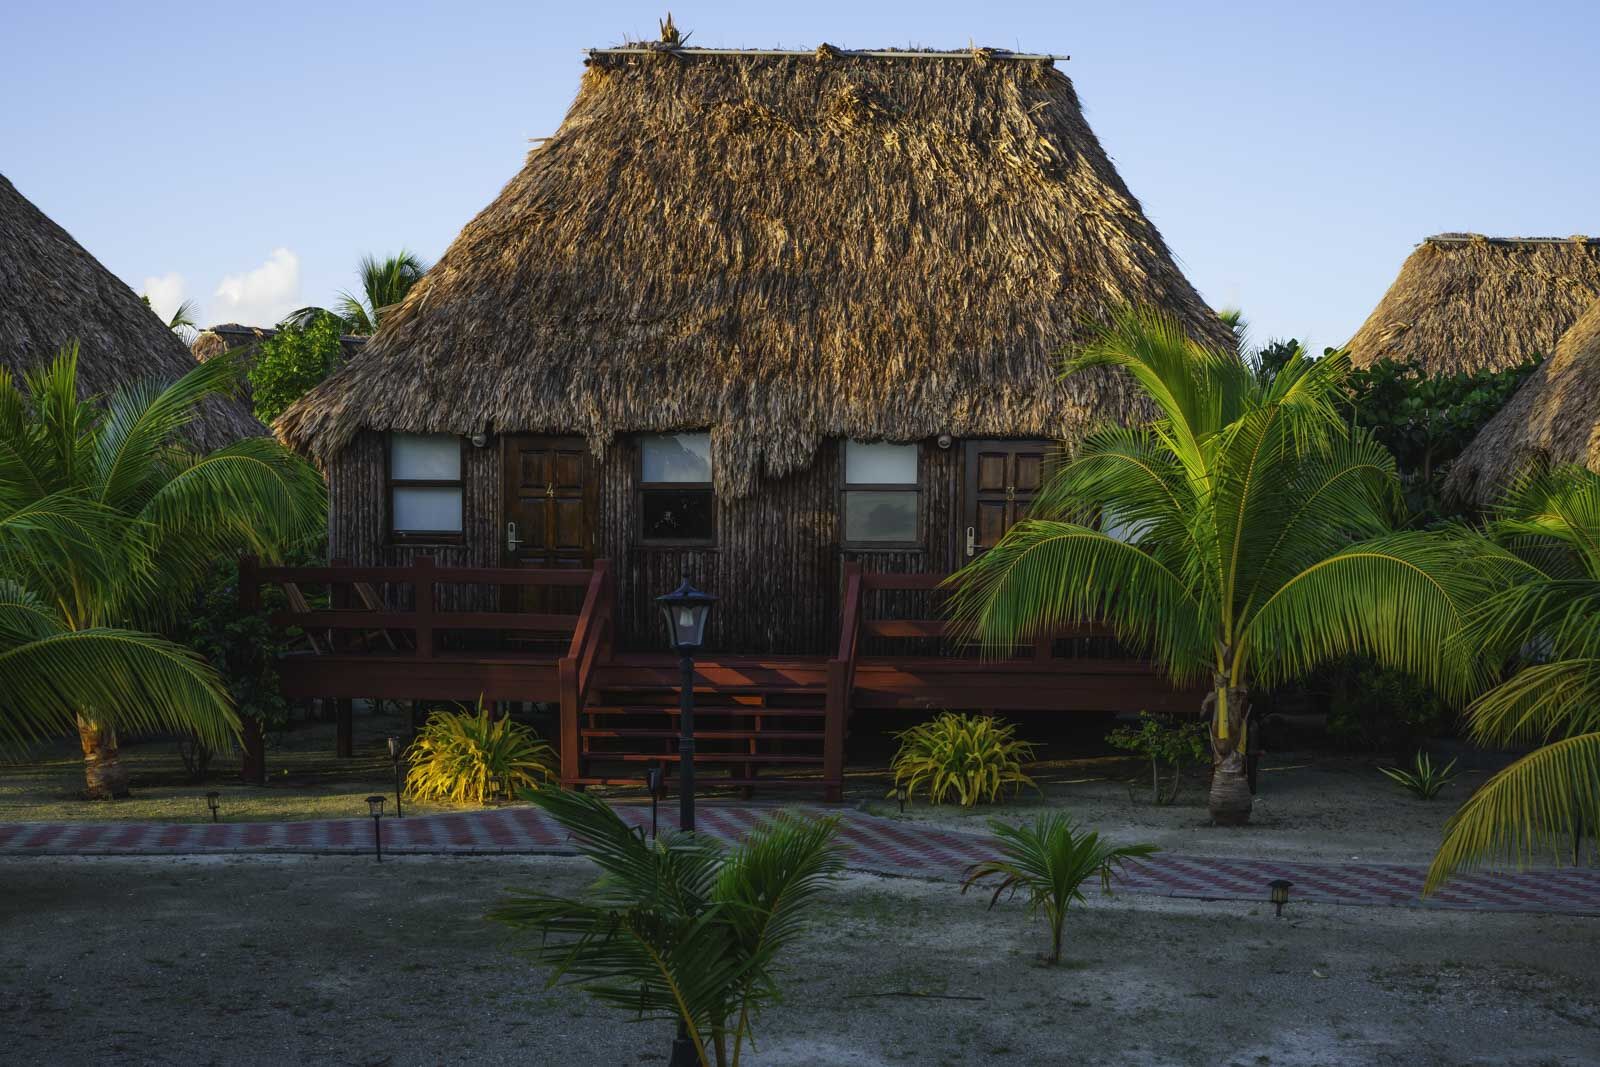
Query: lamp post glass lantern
<point x="686" y="611"/>
<point x="1280" y="893"/>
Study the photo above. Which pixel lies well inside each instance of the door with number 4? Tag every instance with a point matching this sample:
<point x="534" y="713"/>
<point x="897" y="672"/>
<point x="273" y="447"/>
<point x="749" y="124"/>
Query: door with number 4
<point x="549" y="515"/>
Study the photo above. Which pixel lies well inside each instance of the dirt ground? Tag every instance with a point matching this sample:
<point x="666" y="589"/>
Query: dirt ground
<point x="339" y="960"/>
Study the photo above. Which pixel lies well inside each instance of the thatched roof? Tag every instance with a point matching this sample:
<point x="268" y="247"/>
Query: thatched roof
<point x="783" y="248"/>
<point x="52" y="291"/>
<point x="1465" y="302"/>
<point x="231" y="336"/>
<point x="1555" y="417"/>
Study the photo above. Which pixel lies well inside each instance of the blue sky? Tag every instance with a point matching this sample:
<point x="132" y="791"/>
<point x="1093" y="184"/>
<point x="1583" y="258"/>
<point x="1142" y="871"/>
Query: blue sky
<point x="246" y="156"/>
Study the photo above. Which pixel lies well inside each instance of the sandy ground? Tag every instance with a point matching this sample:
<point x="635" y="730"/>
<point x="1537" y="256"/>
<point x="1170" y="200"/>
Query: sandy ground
<point x="1337" y="808"/>
<point x="338" y="960"/>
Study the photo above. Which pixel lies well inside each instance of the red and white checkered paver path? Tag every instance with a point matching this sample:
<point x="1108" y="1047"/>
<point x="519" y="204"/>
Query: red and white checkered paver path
<point x="881" y="845"/>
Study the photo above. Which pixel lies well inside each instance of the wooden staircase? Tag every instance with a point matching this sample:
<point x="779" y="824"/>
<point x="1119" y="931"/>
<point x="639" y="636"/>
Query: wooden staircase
<point x="744" y="735"/>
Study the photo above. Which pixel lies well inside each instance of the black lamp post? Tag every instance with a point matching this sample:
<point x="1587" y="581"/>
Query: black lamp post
<point x="1280" y="893"/>
<point x="375" y="809"/>
<point x="394" y="757"/>
<point x="213" y="801"/>
<point x="686" y="610"/>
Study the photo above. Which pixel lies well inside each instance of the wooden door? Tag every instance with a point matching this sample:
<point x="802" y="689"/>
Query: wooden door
<point x="549" y="513"/>
<point x="1002" y="478"/>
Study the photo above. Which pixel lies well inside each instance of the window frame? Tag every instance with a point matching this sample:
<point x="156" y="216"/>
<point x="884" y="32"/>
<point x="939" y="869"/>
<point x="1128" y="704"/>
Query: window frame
<point x="914" y="489"/>
<point x="641" y="487"/>
<point x="391" y="483"/>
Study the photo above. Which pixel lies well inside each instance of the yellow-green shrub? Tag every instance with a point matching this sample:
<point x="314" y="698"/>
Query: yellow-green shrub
<point x="972" y="756"/>
<point x="465" y="757"/>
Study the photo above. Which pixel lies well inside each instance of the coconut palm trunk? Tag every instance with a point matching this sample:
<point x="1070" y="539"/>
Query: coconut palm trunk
<point x="104" y="776"/>
<point x="1229" y="800"/>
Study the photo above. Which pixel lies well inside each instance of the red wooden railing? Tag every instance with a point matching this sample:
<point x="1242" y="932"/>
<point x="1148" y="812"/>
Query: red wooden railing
<point x="591" y="628"/>
<point x="591" y="644"/>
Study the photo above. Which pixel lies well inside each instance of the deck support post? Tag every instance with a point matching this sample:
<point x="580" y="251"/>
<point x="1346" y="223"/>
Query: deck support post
<point x="567" y="678"/>
<point x="344" y="731"/>
<point x="835" y="714"/>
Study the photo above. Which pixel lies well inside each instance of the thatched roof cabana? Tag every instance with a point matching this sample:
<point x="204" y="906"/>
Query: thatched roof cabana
<point x="52" y="292"/>
<point x="1554" y="417"/>
<point x="1465" y="302"/>
<point x="783" y="247"/>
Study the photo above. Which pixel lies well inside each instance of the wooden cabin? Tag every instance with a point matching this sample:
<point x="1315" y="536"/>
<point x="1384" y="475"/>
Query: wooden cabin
<point x="758" y="319"/>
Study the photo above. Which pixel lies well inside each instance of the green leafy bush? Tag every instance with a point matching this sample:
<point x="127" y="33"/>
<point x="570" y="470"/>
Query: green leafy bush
<point x="1168" y="744"/>
<point x="1049" y="861"/>
<point x="678" y="928"/>
<point x="1424" y="780"/>
<point x="1380" y="710"/>
<point x="972" y="756"/>
<point x="464" y="757"/>
<point x="292" y="361"/>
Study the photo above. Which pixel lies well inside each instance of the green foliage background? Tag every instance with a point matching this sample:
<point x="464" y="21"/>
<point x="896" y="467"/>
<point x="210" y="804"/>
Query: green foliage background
<point x="291" y="362"/>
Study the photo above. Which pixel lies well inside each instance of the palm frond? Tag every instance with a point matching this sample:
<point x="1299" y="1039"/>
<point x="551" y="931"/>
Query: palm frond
<point x="1398" y="599"/>
<point x="126" y="679"/>
<point x="1046" y="574"/>
<point x="1540" y="806"/>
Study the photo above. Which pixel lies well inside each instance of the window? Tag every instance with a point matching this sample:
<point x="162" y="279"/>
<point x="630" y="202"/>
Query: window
<point x="676" y="504"/>
<point x="425" y="485"/>
<point x="880" y="494"/>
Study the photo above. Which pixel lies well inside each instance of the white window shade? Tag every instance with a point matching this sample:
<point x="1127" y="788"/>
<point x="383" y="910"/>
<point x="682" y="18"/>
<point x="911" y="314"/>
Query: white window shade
<point x="675" y="457"/>
<point x="418" y="457"/>
<point x="427" y="509"/>
<point x="879" y="463"/>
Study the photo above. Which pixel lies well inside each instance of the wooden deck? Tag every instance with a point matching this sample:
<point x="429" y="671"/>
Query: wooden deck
<point x="759" y="719"/>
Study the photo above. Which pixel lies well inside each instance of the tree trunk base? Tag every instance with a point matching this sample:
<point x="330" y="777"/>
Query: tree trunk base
<point x="1230" y="799"/>
<point x="104" y="776"/>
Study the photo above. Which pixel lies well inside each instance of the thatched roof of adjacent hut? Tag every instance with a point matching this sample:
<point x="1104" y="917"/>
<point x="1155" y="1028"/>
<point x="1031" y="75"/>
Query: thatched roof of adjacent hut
<point x="1465" y="302"/>
<point x="1554" y="417"/>
<point x="232" y="336"/>
<point x="782" y="247"/>
<point x="52" y="292"/>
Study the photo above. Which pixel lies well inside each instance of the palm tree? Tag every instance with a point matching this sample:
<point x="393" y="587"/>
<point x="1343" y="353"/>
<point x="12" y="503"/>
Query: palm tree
<point x="113" y="521"/>
<point x="1241" y="538"/>
<point x="678" y="929"/>
<point x="1050" y="861"/>
<point x="183" y="319"/>
<point x="384" y="284"/>
<point x="1544" y="538"/>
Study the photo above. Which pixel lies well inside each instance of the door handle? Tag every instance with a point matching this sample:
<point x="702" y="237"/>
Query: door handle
<point x="972" y="541"/>
<point x="512" y="541"/>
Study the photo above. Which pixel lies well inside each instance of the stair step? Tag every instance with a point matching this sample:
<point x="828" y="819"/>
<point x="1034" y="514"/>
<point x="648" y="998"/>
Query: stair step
<point x="713" y="735"/>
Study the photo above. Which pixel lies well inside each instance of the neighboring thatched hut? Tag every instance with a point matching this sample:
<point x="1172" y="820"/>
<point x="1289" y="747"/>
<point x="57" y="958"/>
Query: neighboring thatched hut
<point x="1465" y="302"/>
<point x="1554" y="417"/>
<point x="53" y="292"/>
<point x="747" y="315"/>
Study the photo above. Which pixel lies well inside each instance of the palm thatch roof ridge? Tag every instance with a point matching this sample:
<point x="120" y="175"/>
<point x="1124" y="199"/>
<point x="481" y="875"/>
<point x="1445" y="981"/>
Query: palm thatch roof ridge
<point x="1466" y="302"/>
<point x="52" y="292"/>
<point x="1554" y="417"/>
<point x="781" y="248"/>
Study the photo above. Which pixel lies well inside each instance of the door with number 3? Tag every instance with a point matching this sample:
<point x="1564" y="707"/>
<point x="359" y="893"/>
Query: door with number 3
<point x="1002" y="478"/>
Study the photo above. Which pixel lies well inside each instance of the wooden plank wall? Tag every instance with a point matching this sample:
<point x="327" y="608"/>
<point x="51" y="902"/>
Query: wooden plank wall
<point x="777" y="563"/>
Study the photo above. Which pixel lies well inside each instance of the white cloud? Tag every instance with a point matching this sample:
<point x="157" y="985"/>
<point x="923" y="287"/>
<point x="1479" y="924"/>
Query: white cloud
<point x="260" y="296"/>
<point x="166" y="292"/>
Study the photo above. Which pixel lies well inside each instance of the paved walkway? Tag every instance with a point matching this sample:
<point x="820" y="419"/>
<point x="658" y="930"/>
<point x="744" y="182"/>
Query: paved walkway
<point x="880" y="845"/>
